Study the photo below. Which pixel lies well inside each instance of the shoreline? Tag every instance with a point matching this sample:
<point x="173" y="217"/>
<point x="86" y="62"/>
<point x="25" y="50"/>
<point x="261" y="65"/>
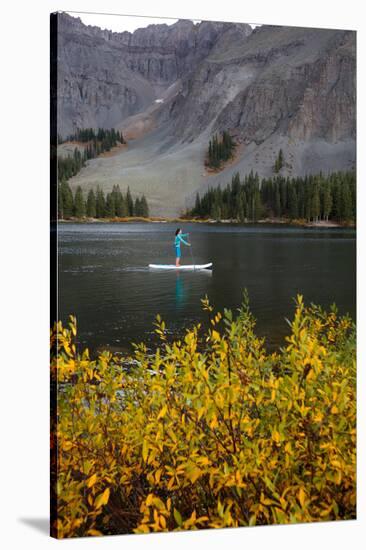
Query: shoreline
<point x="265" y="221"/>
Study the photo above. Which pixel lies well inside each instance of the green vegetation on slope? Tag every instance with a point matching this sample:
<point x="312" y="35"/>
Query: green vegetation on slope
<point x="209" y="431"/>
<point x="106" y="138"/>
<point x="315" y="197"/>
<point x="278" y="162"/>
<point x="220" y="150"/>
<point x="96" y="204"/>
<point x="97" y="143"/>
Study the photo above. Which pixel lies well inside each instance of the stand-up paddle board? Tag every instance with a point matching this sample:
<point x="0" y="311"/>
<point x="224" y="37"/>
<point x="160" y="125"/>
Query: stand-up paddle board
<point x="185" y="267"/>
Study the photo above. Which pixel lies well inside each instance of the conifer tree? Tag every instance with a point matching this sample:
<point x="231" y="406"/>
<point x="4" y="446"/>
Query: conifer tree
<point x="277" y="207"/>
<point x="67" y="200"/>
<point x="60" y="202"/>
<point x="137" y="207"/>
<point x="215" y="211"/>
<point x="315" y="203"/>
<point x="327" y="202"/>
<point x="293" y="205"/>
<point x="91" y="206"/>
<point x="79" y="203"/>
<point x="129" y="202"/>
<point x="197" y="206"/>
<point x="241" y="211"/>
<point x="337" y="198"/>
<point x="120" y="203"/>
<point x="100" y="203"/>
<point x="308" y="205"/>
<point x="110" y="206"/>
<point x="278" y="162"/>
<point x="346" y="214"/>
<point x="210" y="158"/>
<point x="214" y="152"/>
<point x="144" y="207"/>
<point x="280" y="159"/>
<point x="257" y="205"/>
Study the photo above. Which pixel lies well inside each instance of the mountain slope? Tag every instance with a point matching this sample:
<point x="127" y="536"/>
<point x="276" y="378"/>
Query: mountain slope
<point x="169" y="88"/>
<point x="104" y="76"/>
<point x="292" y="81"/>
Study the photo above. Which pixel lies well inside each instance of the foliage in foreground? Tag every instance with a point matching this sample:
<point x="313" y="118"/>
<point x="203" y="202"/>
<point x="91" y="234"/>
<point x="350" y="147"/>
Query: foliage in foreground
<point x="208" y="431"/>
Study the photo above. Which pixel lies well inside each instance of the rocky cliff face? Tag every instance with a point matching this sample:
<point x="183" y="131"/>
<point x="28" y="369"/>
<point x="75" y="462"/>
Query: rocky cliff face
<point x="105" y="77"/>
<point x="290" y="81"/>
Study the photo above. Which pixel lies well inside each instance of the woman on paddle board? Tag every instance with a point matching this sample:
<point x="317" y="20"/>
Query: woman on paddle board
<point x="179" y="239"/>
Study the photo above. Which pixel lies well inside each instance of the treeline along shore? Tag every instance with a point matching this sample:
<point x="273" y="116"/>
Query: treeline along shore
<point x="98" y="205"/>
<point x="317" y="199"/>
<point x="312" y="198"/>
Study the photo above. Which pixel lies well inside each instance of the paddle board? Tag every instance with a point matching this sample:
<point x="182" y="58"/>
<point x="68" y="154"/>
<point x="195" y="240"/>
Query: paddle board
<point x="191" y="267"/>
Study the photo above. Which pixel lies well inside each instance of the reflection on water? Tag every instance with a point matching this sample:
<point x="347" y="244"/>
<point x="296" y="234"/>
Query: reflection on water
<point x="179" y="291"/>
<point x="182" y="285"/>
<point x="104" y="279"/>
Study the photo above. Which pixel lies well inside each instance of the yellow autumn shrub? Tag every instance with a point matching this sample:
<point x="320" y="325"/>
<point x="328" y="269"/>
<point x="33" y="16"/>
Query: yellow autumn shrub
<point x="210" y="430"/>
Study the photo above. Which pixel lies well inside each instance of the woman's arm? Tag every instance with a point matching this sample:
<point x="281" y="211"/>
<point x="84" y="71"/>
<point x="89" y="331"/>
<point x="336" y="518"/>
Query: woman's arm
<point x="182" y="240"/>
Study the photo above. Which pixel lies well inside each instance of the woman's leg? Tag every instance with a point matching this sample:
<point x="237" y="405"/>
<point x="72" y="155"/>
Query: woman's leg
<point x="177" y="257"/>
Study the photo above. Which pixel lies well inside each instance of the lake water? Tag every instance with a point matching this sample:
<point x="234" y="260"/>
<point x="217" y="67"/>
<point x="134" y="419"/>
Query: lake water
<point x="104" y="279"/>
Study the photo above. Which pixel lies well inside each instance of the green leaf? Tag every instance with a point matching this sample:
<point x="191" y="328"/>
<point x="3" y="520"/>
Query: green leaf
<point x="102" y="499"/>
<point x="178" y="517"/>
<point x="145" y="450"/>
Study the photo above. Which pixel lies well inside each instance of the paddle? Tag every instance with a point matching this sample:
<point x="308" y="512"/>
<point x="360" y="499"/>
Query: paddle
<point x="190" y="248"/>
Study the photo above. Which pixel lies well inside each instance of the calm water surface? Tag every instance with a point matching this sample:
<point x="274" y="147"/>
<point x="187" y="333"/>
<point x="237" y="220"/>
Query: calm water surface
<point x="105" y="282"/>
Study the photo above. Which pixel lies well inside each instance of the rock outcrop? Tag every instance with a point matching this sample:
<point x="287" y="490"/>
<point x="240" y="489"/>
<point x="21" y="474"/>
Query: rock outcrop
<point x="106" y="76"/>
<point x="290" y="81"/>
